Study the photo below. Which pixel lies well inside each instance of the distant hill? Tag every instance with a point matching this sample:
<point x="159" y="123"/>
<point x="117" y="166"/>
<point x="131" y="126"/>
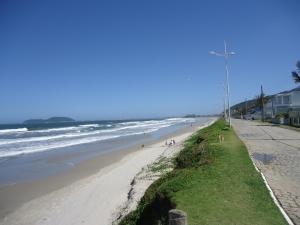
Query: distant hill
<point x="239" y="106"/>
<point x="250" y="104"/>
<point x="50" y="120"/>
<point x="194" y="115"/>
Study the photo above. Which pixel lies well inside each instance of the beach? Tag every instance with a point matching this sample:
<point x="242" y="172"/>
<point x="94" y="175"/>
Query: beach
<point x="93" y="192"/>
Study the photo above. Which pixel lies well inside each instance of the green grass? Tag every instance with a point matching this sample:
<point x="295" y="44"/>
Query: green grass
<point x="162" y="165"/>
<point x="213" y="183"/>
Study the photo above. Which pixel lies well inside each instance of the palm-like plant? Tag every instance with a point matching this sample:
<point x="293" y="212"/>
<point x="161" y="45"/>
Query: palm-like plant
<point x="296" y="73"/>
<point x="261" y="100"/>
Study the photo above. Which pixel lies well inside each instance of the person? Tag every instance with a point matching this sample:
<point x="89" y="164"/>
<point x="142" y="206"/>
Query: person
<point x="173" y="141"/>
<point x="166" y="143"/>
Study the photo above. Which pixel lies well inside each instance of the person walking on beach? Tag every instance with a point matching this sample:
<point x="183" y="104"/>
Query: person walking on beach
<point x="172" y="142"/>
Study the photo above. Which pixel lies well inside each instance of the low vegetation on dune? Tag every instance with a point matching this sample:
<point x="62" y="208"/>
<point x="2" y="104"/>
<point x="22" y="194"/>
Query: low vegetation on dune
<point x="213" y="182"/>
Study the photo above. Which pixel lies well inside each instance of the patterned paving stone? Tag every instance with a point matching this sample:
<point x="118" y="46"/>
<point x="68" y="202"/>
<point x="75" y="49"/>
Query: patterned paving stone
<point x="282" y="172"/>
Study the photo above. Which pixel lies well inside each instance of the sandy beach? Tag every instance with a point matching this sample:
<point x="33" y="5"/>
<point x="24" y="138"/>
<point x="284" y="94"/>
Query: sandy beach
<point x="90" y="194"/>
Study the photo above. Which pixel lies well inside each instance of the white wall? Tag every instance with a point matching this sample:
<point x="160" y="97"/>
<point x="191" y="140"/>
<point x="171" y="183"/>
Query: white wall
<point x="296" y="98"/>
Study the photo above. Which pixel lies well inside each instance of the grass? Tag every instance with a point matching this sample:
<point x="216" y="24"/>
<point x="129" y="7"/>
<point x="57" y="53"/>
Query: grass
<point x="162" y="165"/>
<point x="213" y="183"/>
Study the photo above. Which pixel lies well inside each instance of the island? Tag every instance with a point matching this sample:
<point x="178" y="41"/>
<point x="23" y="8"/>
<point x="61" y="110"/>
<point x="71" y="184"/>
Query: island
<point x="50" y="120"/>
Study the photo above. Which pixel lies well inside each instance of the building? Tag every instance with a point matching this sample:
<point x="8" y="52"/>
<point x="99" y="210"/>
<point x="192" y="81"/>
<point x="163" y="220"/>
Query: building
<point x="287" y="102"/>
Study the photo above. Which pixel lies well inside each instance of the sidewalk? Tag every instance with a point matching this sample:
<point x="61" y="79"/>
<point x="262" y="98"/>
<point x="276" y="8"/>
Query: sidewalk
<point x="276" y="152"/>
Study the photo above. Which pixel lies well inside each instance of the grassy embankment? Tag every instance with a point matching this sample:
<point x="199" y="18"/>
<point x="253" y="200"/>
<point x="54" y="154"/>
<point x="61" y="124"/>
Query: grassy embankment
<point x="213" y="183"/>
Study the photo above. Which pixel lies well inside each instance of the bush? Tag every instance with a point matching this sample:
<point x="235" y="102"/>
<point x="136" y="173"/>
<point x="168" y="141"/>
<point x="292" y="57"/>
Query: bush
<point x="282" y="115"/>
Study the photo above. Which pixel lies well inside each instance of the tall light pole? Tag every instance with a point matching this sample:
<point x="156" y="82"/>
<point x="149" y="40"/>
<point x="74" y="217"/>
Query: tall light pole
<point x="226" y="55"/>
<point x="262" y="103"/>
<point x="225" y="113"/>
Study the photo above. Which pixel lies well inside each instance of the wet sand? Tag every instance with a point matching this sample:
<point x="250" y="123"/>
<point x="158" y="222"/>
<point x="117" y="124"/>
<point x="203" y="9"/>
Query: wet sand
<point x="13" y="196"/>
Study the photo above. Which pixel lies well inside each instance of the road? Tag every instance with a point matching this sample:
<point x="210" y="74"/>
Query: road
<point x="276" y="152"/>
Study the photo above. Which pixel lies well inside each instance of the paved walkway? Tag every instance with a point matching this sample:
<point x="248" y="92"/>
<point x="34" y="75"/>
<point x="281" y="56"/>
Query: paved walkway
<point x="276" y="152"/>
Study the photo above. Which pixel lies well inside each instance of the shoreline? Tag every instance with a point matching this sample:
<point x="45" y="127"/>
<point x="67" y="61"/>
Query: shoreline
<point x="106" y="174"/>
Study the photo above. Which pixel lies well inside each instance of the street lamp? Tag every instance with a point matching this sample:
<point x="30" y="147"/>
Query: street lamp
<point x="225" y="111"/>
<point x="226" y="55"/>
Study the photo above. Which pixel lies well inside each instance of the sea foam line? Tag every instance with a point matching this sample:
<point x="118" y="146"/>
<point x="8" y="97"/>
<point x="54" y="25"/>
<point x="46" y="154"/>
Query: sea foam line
<point x="146" y="126"/>
<point x="34" y="149"/>
<point x="72" y="135"/>
<point x="13" y="130"/>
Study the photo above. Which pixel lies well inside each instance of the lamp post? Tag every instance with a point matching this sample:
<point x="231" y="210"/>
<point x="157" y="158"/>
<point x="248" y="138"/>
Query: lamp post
<point x="226" y="55"/>
<point x="225" y="113"/>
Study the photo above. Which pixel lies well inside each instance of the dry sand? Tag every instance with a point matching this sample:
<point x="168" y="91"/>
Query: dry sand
<point x="98" y="198"/>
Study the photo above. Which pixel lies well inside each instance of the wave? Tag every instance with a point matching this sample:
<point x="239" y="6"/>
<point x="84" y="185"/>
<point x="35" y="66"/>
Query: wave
<point x="54" y="129"/>
<point x="76" y="135"/>
<point x="89" y="125"/>
<point x="67" y="135"/>
<point x="145" y="125"/>
<point x="13" y="130"/>
<point x="33" y="149"/>
<point x="46" y="138"/>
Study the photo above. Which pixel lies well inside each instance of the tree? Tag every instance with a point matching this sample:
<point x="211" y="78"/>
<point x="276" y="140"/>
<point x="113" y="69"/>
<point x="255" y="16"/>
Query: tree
<point x="296" y="73"/>
<point x="260" y="101"/>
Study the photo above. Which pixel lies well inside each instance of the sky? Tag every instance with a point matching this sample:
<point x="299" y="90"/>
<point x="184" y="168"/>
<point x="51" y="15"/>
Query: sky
<point x="139" y="59"/>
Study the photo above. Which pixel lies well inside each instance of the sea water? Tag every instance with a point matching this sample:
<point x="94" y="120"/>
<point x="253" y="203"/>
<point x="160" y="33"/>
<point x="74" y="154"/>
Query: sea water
<point x="31" y="151"/>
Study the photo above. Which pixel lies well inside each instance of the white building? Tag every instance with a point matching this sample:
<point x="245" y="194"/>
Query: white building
<point x="285" y="102"/>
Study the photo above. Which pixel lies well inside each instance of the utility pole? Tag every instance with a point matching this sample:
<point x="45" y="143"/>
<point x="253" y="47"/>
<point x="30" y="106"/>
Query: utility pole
<point x="225" y="113"/>
<point x="246" y="106"/>
<point x="273" y="112"/>
<point x="226" y="55"/>
<point x="262" y="103"/>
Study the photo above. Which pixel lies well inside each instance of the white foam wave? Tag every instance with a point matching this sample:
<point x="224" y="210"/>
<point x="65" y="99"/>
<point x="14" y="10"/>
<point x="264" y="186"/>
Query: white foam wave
<point x="24" y="145"/>
<point x="130" y="126"/>
<point x="89" y="125"/>
<point x="55" y="129"/>
<point x="55" y="145"/>
<point x="13" y="130"/>
<point x="33" y="149"/>
<point x="60" y="136"/>
<point x="46" y="138"/>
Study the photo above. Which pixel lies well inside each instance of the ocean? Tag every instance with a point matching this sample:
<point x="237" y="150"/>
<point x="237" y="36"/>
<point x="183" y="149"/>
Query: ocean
<point x="24" y="139"/>
<point x="29" y="152"/>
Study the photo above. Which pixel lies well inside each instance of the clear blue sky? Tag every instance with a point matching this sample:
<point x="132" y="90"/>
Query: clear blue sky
<point x="127" y="59"/>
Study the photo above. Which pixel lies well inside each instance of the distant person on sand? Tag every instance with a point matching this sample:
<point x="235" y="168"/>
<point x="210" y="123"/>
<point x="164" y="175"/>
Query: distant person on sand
<point x="172" y="142"/>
